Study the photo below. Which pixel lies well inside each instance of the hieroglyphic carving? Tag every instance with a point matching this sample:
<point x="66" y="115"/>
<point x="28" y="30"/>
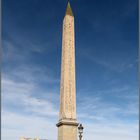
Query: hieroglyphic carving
<point x="67" y="89"/>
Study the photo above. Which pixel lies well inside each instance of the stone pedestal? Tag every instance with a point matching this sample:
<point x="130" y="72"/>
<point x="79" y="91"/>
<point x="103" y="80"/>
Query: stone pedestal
<point x="67" y="130"/>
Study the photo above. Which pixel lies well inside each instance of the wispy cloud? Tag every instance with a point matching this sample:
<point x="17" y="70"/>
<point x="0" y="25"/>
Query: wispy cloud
<point x="111" y="63"/>
<point x="110" y="105"/>
<point x="13" y="91"/>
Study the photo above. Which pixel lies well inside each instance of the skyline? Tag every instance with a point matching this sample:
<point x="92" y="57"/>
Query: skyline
<point x="106" y="36"/>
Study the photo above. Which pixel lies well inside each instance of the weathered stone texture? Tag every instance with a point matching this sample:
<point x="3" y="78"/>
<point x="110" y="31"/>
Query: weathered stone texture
<point x="67" y="125"/>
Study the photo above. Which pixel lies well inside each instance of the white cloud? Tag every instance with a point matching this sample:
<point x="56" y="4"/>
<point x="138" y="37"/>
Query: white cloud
<point x="22" y="92"/>
<point x="108" y="132"/>
<point x="15" y="125"/>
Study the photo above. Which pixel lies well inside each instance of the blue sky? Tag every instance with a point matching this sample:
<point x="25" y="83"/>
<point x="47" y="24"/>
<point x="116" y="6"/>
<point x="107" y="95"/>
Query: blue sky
<point x="106" y="34"/>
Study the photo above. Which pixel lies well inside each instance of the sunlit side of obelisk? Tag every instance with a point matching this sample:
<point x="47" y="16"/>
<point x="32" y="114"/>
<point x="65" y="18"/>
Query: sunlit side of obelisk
<point x="67" y="125"/>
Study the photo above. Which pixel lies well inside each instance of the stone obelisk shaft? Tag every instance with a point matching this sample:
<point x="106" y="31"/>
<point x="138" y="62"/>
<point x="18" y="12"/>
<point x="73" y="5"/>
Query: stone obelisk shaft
<point x="67" y="125"/>
<point x="67" y="89"/>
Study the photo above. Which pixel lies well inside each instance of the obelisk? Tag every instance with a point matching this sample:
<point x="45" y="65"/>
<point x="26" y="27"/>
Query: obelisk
<point x="67" y="125"/>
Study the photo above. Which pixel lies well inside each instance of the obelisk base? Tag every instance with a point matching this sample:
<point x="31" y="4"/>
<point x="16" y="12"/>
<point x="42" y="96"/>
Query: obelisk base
<point x="67" y="130"/>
